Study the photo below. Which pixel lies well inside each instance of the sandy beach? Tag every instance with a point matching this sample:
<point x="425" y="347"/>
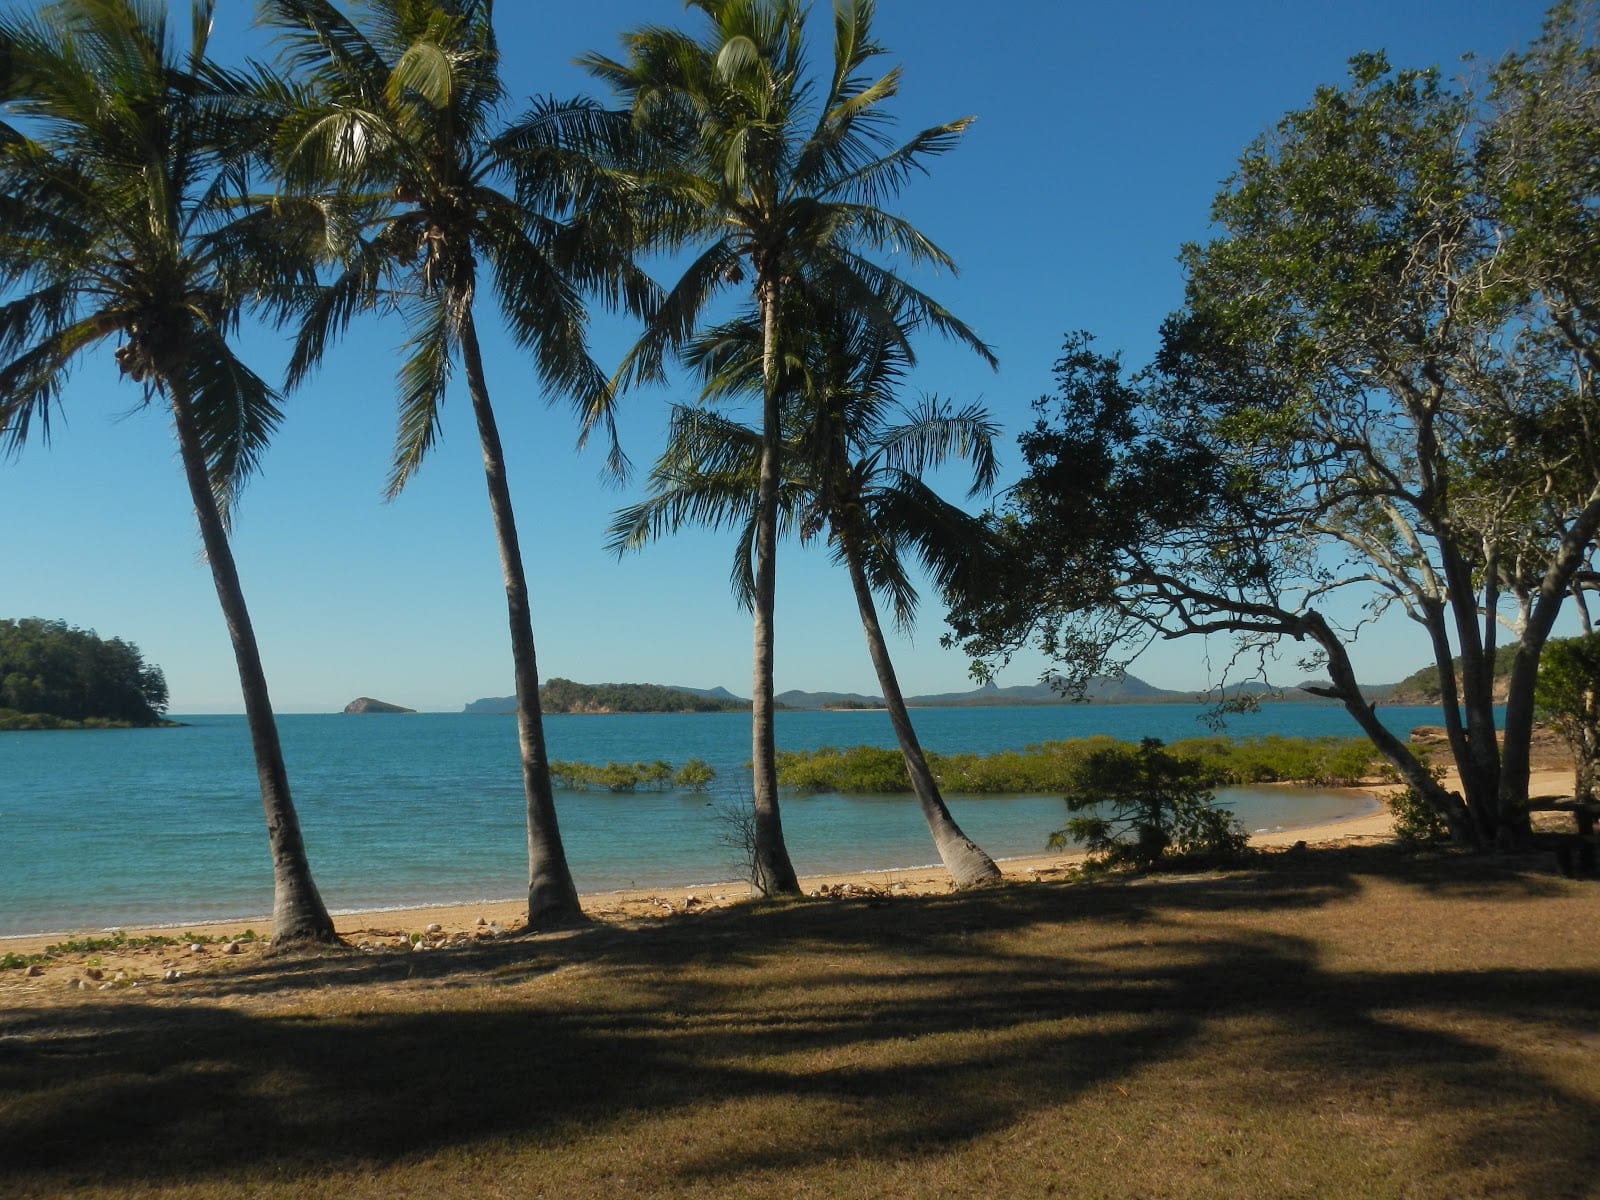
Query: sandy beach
<point x="439" y="925"/>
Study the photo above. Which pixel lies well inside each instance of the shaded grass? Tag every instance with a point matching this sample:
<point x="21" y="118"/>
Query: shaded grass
<point x="1341" y="1024"/>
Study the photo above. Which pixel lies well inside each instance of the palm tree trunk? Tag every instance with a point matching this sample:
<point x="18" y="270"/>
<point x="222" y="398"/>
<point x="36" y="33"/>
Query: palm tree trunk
<point x="552" y="895"/>
<point x="968" y="865"/>
<point x="298" y="914"/>
<point x="771" y="873"/>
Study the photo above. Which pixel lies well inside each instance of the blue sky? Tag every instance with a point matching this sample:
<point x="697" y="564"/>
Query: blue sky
<point x="1103" y="133"/>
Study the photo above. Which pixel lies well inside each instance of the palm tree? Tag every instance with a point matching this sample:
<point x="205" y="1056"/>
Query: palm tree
<point x="778" y="176"/>
<point x="855" y="461"/>
<point x="125" y="218"/>
<point x="401" y="111"/>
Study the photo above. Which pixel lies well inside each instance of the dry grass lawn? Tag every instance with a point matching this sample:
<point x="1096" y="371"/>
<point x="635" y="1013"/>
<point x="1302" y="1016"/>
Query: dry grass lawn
<point x="1341" y="1023"/>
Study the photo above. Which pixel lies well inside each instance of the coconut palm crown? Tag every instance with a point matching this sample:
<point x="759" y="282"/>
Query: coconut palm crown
<point x="400" y="111"/>
<point x="126" y="218"/>
<point x="771" y="177"/>
<point x="855" y="460"/>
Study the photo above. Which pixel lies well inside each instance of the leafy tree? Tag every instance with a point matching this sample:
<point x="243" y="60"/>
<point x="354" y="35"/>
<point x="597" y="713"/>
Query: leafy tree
<point x="854" y="461"/>
<point x="1372" y="391"/>
<point x="48" y="667"/>
<point x="770" y="174"/>
<point x="124" y="170"/>
<point x="399" y="110"/>
<point x="1149" y="804"/>
<point x="1569" y="696"/>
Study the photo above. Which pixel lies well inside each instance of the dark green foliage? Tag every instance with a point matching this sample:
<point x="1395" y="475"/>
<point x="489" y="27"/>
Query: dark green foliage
<point x="1061" y="766"/>
<point x="1425" y="683"/>
<point x="1149" y="804"/>
<point x="1568" y="695"/>
<point x="564" y="696"/>
<point x="54" y="676"/>
<point x="1415" y="820"/>
<point x="655" y="776"/>
<point x="694" y="775"/>
<point x="859" y="769"/>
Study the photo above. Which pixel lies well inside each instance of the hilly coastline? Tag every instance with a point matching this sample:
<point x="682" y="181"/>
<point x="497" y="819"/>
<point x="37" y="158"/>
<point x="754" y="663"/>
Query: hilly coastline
<point x="565" y="696"/>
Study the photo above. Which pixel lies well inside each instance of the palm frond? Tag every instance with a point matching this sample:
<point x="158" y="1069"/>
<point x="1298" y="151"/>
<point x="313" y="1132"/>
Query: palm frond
<point x="423" y="378"/>
<point x="235" y="410"/>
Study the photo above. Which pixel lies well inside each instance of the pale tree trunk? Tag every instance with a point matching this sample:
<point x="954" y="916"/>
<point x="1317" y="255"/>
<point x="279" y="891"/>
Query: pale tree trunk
<point x="552" y="895"/>
<point x="1553" y="590"/>
<point x="1448" y="805"/>
<point x="771" y="871"/>
<point x="968" y="865"/>
<point x="298" y="914"/>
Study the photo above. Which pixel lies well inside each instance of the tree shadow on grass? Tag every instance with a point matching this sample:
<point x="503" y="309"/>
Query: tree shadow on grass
<point x="769" y="1043"/>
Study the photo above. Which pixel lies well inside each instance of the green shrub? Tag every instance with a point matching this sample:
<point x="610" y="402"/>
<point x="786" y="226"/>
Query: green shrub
<point x="1415" y="820"/>
<point x="1153" y="805"/>
<point x="694" y="775"/>
<point x="860" y="769"/>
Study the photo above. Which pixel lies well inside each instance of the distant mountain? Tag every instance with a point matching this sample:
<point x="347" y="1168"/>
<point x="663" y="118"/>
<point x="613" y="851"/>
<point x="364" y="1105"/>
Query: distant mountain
<point x="716" y="693"/>
<point x="1130" y="689"/>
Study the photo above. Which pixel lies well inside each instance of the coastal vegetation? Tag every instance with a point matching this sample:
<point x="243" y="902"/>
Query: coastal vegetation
<point x="656" y="776"/>
<point x="1381" y="387"/>
<point x="1063" y="767"/>
<point x="1136" y="808"/>
<point x="53" y="676"/>
<point x="564" y="696"/>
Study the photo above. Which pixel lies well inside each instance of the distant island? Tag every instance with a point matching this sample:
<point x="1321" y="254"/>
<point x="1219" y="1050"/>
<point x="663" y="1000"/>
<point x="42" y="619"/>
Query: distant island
<point x="366" y="704"/>
<point x="55" y="676"/>
<point x="565" y="696"/>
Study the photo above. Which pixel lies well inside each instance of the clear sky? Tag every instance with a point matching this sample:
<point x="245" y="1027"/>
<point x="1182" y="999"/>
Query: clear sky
<point x="1103" y="132"/>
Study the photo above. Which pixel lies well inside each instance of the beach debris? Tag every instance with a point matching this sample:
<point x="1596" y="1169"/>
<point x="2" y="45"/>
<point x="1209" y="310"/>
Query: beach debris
<point x="691" y="902"/>
<point x="196" y="948"/>
<point x="435" y="928"/>
<point x="230" y="947"/>
<point x="120" y="977"/>
<point x="481" y="922"/>
<point x="34" y="971"/>
<point x="851" y="891"/>
<point x="171" y="975"/>
<point x="494" y="929"/>
<point x="94" y="973"/>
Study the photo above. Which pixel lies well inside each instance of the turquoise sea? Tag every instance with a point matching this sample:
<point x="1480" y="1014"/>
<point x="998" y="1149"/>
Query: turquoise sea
<point x="124" y="827"/>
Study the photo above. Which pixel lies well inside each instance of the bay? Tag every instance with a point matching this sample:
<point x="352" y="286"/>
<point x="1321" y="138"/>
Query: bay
<point x="103" y="829"/>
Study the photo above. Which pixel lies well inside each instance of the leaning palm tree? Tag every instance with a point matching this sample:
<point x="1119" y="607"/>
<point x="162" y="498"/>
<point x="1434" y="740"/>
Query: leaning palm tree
<point x="777" y="176"/>
<point x="125" y="218"/>
<point x="854" y="465"/>
<point x="399" y="115"/>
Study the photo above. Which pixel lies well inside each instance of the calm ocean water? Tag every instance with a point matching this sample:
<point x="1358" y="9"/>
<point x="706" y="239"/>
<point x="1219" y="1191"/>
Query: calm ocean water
<point x="124" y="827"/>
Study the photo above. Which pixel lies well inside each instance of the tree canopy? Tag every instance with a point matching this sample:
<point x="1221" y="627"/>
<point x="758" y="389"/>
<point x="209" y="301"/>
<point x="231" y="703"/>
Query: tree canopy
<point x="1377" y="396"/>
<point x="52" y="669"/>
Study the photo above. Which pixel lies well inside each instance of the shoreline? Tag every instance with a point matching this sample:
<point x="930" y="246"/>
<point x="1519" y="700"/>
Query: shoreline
<point x="631" y="903"/>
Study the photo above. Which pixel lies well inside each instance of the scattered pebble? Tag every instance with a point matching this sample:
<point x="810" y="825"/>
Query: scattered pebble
<point x="196" y="948"/>
<point x="93" y="973"/>
<point x="34" y="971"/>
<point x="171" y="975"/>
<point x="230" y="948"/>
<point x="434" y="929"/>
